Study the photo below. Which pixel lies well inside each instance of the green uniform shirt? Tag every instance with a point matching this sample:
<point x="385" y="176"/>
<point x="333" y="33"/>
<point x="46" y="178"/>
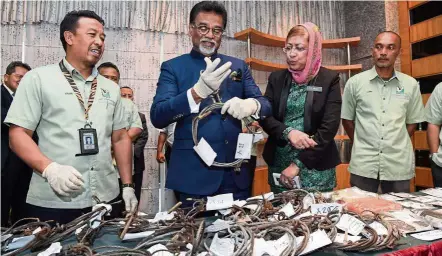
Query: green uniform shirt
<point x="380" y="110"/>
<point x="46" y="103"/>
<point x="433" y="115"/>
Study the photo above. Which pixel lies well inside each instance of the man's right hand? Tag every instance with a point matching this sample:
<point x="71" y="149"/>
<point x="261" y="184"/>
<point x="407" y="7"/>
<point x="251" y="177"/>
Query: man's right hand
<point x="63" y="179"/>
<point x="160" y="157"/>
<point x="211" y="79"/>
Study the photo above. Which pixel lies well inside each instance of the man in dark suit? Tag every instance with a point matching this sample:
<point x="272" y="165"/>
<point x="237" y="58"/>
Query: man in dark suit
<point x="139" y="143"/>
<point x="184" y="88"/>
<point x="16" y="175"/>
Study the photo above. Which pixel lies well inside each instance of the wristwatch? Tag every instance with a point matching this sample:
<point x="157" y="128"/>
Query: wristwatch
<point x="130" y="185"/>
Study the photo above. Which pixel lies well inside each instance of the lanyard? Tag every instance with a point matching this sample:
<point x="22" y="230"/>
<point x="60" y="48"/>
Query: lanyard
<point x="71" y="81"/>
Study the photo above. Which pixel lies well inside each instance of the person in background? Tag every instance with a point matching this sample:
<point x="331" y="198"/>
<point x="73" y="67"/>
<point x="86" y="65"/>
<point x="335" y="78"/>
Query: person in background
<point x="433" y="115"/>
<point x="306" y="103"/>
<point x="16" y="174"/>
<point x="165" y="138"/>
<point x="64" y="103"/>
<point x="380" y="110"/>
<point x="139" y="144"/>
<point x="184" y="88"/>
<point x="135" y="127"/>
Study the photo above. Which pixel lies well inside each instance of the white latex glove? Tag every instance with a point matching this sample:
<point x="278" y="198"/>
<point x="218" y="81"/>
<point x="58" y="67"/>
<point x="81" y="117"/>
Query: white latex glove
<point x="63" y="179"/>
<point x="239" y="108"/>
<point x="301" y="140"/>
<point x="211" y="79"/>
<point x="130" y="200"/>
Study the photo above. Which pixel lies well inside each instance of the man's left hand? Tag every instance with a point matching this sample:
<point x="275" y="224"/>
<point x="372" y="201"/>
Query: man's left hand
<point x="130" y="200"/>
<point x="239" y="108"/>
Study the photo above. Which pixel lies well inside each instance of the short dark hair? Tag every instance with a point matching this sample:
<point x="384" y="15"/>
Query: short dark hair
<point x="392" y="32"/>
<point x="11" y="67"/>
<point x="109" y="65"/>
<point x="209" y="6"/>
<point x="70" y="22"/>
<point x="126" y="87"/>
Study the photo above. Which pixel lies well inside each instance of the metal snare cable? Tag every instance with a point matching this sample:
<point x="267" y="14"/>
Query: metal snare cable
<point x="204" y="113"/>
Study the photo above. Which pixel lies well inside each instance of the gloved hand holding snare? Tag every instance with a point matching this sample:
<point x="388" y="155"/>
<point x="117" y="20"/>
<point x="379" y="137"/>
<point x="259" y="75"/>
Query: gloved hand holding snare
<point x="211" y="79"/>
<point x="63" y="179"/>
<point x="239" y="108"/>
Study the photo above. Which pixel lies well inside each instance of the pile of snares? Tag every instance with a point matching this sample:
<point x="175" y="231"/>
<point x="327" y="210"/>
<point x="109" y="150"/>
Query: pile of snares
<point x="258" y="218"/>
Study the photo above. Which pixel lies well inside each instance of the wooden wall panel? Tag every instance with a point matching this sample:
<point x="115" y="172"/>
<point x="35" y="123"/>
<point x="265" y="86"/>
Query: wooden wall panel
<point x="413" y="4"/>
<point x="404" y="32"/>
<point x="424" y="178"/>
<point x="426" y="29"/>
<point x="260" y="181"/>
<point x="427" y="66"/>
<point x="342" y="177"/>
<point x="420" y="140"/>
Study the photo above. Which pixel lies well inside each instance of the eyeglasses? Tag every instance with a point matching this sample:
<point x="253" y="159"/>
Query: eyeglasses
<point x="289" y="49"/>
<point x="203" y="30"/>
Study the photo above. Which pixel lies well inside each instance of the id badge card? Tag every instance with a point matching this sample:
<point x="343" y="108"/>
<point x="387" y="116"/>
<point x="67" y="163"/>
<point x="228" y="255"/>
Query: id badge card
<point x="88" y="141"/>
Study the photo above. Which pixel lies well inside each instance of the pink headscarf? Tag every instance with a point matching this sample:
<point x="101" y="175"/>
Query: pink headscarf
<point x="314" y="55"/>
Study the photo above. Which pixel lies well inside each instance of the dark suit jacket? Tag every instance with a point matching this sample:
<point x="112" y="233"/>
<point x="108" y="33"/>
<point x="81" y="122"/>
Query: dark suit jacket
<point x="186" y="172"/>
<point x="6" y="100"/>
<point x="321" y="118"/>
<point x="139" y="144"/>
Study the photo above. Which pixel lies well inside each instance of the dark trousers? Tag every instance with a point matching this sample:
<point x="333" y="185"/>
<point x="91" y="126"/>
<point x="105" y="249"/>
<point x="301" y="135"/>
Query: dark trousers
<point x="372" y="185"/>
<point x="137" y="179"/>
<point x="61" y="216"/>
<point x="436" y="170"/>
<point x="251" y="166"/>
<point x="167" y="152"/>
<point x="228" y="185"/>
<point x="16" y="176"/>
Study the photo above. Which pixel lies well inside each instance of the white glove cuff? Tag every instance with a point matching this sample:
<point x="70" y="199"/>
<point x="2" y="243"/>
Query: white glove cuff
<point x="50" y="166"/>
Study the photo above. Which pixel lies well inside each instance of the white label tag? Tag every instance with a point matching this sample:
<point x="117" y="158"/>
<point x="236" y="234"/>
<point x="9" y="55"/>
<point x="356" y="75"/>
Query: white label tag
<point x="429" y="235"/>
<point x="426" y="199"/>
<point x="130" y="236"/>
<point x="391" y="197"/>
<point x="219" y="202"/>
<point x="308" y="200"/>
<point x="36" y="230"/>
<point x="379" y="228"/>
<point x="437" y="192"/>
<point x="267" y="196"/>
<point x="244" y="146"/>
<point x="205" y="151"/>
<point x="162" y="216"/>
<point x="218" y="225"/>
<point x="350" y="224"/>
<point x="403" y="195"/>
<point x="340" y="238"/>
<point x="159" y="247"/>
<point x="280" y="245"/>
<point x="324" y="209"/>
<point x="305" y="214"/>
<point x="288" y="210"/>
<point x="54" y="249"/>
<point x="222" y="246"/>
<point x="257" y="137"/>
<point x="317" y="240"/>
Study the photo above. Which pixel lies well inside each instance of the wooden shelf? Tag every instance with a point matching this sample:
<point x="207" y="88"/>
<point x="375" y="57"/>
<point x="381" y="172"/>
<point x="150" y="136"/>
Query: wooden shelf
<point x="342" y="137"/>
<point x="420" y="140"/>
<point x="267" y="66"/>
<point x="414" y="4"/>
<point x="260" y="38"/>
<point x="423" y="178"/>
<point x="427" y="66"/>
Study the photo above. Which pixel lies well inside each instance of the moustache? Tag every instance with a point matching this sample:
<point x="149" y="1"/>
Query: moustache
<point x="205" y="40"/>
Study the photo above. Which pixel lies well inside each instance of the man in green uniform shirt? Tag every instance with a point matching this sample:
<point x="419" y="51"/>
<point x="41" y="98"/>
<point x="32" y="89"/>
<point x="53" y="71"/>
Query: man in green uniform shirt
<point x="433" y="115"/>
<point x="65" y="103"/>
<point x="380" y="110"/>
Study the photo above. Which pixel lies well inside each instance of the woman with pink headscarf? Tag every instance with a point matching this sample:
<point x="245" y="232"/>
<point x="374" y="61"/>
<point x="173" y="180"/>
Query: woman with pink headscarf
<point x="306" y="102"/>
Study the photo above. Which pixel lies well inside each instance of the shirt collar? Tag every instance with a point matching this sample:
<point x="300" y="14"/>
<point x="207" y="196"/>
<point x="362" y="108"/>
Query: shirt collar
<point x="196" y="54"/>
<point x="9" y="90"/>
<point x="373" y="74"/>
<point x="73" y="71"/>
